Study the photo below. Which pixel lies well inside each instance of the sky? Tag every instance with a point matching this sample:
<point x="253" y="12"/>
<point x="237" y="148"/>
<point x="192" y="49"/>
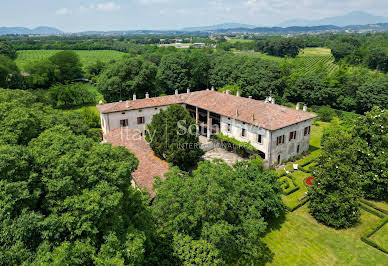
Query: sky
<point x="74" y="16"/>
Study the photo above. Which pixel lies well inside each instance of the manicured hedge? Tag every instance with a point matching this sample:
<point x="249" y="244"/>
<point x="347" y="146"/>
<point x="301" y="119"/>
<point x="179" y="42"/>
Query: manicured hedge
<point x="245" y="145"/>
<point x="303" y="202"/>
<point x="372" y="211"/>
<point x="365" y="237"/>
<point x="373" y="206"/>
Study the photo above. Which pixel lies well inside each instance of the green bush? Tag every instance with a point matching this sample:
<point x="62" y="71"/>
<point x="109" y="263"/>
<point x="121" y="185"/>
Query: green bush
<point x="239" y="144"/>
<point x="72" y="95"/>
<point x="325" y="113"/>
<point x="91" y="116"/>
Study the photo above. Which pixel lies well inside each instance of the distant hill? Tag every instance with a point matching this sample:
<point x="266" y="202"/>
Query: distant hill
<point x="23" y="30"/>
<point x="223" y="26"/>
<point x="353" y="18"/>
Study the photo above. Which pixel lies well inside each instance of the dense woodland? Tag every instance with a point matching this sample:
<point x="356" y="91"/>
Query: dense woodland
<point x="66" y="199"/>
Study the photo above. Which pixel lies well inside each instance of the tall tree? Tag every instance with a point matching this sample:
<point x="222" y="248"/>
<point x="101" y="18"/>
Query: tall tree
<point x="372" y="129"/>
<point x="172" y="136"/>
<point x="69" y="65"/>
<point x="9" y="73"/>
<point x="334" y="198"/>
<point x="121" y="80"/>
<point x="174" y="73"/>
<point x="7" y="49"/>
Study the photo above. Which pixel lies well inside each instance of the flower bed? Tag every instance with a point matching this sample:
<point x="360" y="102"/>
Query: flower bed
<point x="309" y="181"/>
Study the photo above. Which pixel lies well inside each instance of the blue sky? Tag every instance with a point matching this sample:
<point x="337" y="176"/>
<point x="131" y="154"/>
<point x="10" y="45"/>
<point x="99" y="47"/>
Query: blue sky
<point x="72" y="15"/>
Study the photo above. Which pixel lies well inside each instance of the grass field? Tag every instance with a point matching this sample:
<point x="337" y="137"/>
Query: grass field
<point x="297" y="239"/>
<point x="26" y="57"/>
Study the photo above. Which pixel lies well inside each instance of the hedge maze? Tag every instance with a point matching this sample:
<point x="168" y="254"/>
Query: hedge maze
<point x="295" y="196"/>
<point x="377" y="235"/>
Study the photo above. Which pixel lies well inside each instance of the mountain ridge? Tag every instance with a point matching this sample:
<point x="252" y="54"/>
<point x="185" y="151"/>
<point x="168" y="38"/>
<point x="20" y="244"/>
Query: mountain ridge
<point x="352" y="18"/>
<point x="41" y="30"/>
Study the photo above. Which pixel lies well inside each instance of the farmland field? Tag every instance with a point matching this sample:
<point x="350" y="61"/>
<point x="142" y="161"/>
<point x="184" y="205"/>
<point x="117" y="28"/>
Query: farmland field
<point x="26" y="57"/>
<point x="308" y="60"/>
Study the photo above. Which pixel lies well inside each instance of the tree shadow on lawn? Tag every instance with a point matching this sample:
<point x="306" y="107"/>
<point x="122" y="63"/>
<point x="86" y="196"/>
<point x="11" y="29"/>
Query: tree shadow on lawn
<point x="275" y="224"/>
<point x="313" y="148"/>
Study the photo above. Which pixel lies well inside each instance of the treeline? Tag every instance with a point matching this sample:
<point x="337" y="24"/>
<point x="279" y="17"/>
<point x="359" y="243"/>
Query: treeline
<point x="347" y="88"/>
<point x="370" y="52"/>
<point x="125" y="43"/>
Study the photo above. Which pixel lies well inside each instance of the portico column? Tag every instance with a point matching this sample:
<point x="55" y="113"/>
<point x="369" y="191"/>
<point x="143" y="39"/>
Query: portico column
<point x="197" y="119"/>
<point x="208" y="125"/>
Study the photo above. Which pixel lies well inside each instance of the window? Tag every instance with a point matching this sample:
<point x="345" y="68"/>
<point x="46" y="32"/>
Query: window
<point x="259" y="138"/>
<point x="292" y="135"/>
<point x="243" y="132"/>
<point x="228" y="128"/>
<point x="307" y="131"/>
<point x="124" y="123"/>
<point x="279" y="159"/>
<point x="280" y="140"/>
<point x="140" y="120"/>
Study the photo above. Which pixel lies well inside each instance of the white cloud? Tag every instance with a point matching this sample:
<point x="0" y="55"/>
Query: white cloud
<point x="62" y="11"/>
<point x="109" y="6"/>
<point x="149" y="2"/>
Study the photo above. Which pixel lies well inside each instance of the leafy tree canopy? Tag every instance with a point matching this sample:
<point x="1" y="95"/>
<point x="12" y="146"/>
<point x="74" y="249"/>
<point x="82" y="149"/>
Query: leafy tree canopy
<point x="334" y="198"/>
<point x="69" y="65"/>
<point x="226" y="215"/>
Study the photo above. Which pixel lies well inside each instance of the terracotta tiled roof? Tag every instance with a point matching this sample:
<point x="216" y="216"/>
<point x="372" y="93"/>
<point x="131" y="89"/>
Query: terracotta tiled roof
<point x="149" y="165"/>
<point x="265" y="115"/>
<point x="142" y="103"/>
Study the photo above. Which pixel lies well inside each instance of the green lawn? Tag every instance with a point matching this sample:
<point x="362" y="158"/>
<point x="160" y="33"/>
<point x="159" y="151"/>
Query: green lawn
<point x="315" y="51"/>
<point x="300" y="240"/>
<point x="260" y="55"/>
<point x="239" y="40"/>
<point x="26" y="57"/>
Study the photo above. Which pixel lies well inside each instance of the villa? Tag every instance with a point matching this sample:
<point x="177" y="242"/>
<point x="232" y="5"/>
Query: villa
<point x="277" y="132"/>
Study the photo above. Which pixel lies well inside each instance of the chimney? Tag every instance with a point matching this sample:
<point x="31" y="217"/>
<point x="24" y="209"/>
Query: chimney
<point x="207" y="89"/>
<point x="273" y="100"/>
<point x="147" y="95"/>
<point x="227" y="91"/>
<point x="304" y="108"/>
<point x="236" y="112"/>
<point x="100" y="102"/>
<point x="250" y="97"/>
<point x="297" y="106"/>
<point x="238" y="93"/>
<point x="134" y="97"/>
<point x="253" y="117"/>
<point x="176" y="92"/>
<point x="127" y="103"/>
<point x="212" y="88"/>
<point x="188" y="90"/>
